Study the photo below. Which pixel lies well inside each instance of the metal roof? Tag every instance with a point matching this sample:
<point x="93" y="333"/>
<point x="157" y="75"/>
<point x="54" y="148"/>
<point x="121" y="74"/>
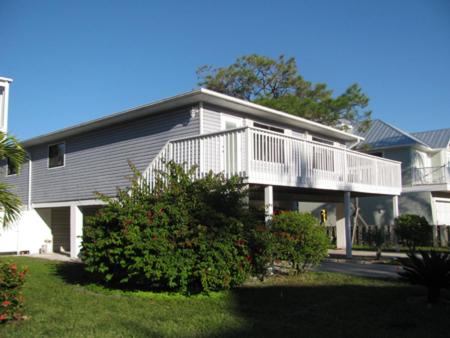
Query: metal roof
<point x="384" y="135"/>
<point x="434" y="138"/>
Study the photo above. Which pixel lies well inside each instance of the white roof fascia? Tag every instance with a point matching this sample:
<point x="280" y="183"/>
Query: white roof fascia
<point x="186" y="99"/>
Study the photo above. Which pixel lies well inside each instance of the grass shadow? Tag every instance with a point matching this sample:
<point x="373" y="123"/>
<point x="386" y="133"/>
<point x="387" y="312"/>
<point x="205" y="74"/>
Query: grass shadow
<point x="338" y="311"/>
<point x="73" y="273"/>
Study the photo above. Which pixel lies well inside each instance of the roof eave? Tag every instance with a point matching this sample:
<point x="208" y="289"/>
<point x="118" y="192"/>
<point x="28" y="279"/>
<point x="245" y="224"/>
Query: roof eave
<point x="186" y="99"/>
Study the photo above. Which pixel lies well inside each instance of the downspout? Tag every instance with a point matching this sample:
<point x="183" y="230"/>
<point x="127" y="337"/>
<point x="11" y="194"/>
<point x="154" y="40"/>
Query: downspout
<point x="30" y="166"/>
<point x="354" y="144"/>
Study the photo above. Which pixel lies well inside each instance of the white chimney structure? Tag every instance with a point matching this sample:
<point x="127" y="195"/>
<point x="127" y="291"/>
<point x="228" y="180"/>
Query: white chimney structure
<point x="4" y="95"/>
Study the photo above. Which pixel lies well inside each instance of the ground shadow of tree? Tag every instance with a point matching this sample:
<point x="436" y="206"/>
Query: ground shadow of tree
<point x="73" y="273"/>
<point x="337" y="311"/>
<point x="315" y="311"/>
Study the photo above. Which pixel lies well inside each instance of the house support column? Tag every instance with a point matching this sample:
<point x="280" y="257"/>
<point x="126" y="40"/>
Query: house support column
<point x="394" y="208"/>
<point x="340" y="226"/>
<point x="348" y="224"/>
<point x="395" y="214"/>
<point x="268" y="202"/>
<point x="76" y="230"/>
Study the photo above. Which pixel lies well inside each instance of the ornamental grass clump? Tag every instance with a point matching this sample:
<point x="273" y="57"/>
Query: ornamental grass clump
<point x="184" y="235"/>
<point x="12" y="279"/>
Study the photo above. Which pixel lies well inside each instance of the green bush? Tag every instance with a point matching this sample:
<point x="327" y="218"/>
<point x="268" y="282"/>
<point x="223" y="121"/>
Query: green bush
<point x="11" y="299"/>
<point x="431" y="271"/>
<point x="185" y="235"/>
<point x="413" y="230"/>
<point x="298" y="239"/>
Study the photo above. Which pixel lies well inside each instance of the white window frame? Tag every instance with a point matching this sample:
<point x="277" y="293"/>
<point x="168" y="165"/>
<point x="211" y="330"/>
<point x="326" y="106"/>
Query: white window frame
<point x="48" y="155"/>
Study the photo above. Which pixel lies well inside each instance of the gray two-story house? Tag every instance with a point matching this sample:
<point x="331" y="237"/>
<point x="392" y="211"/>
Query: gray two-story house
<point x="283" y="158"/>
<point x="425" y="159"/>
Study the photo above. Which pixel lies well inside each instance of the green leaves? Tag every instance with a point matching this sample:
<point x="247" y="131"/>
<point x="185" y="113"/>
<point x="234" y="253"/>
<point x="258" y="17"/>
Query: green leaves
<point x="276" y="83"/>
<point x="431" y="270"/>
<point x="12" y="279"/>
<point x="10" y="204"/>
<point x="413" y="230"/>
<point x="183" y="235"/>
<point x="11" y="150"/>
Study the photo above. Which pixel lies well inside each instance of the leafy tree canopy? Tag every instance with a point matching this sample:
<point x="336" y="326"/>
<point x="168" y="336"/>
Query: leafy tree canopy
<point x="276" y="83"/>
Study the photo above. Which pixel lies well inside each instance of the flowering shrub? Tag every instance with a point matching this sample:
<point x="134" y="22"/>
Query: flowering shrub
<point x="11" y="299"/>
<point x="184" y="235"/>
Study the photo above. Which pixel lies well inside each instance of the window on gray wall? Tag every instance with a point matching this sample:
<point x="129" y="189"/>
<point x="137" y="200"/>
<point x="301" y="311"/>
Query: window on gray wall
<point x="56" y="153"/>
<point x="12" y="169"/>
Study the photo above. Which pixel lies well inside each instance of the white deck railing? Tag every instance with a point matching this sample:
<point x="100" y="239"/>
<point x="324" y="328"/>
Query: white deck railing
<point x="431" y="175"/>
<point x="265" y="157"/>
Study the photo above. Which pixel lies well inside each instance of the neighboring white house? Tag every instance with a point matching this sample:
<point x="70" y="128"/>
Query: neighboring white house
<point x="425" y="158"/>
<point x="285" y="160"/>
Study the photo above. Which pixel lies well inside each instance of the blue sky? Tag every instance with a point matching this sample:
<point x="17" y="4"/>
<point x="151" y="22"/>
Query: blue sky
<point x="72" y="61"/>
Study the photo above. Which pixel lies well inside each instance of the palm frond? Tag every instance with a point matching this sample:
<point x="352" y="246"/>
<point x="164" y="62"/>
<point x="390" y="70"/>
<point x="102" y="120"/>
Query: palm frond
<point x="11" y="149"/>
<point x="10" y="205"/>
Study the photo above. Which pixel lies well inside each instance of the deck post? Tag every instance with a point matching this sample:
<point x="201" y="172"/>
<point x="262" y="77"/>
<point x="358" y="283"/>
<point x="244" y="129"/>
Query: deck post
<point x="348" y="224"/>
<point x="76" y="230"/>
<point x="394" y="208"/>
<point x="268" y="202"/>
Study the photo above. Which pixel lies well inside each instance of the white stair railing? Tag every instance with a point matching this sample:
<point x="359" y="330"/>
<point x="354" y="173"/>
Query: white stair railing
<point x="266" y="157"/>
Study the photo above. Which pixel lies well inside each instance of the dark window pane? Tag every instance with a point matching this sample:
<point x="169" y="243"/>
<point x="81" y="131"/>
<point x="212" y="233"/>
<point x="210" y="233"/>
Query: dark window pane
<point x="267" y="127"/>
<point x="321" y="140"/>
<point x="377" y="154"/>
<point x="56" y="155"/>
<point x="12" y="169"/>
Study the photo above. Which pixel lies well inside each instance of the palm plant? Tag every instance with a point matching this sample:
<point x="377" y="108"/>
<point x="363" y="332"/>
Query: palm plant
<point x="431" y="271"/>
<point x="12" y="151"/>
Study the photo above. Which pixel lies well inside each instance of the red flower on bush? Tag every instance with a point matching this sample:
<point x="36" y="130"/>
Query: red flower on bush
<point x="240" y="242"/>
<point x="11" y="282"/>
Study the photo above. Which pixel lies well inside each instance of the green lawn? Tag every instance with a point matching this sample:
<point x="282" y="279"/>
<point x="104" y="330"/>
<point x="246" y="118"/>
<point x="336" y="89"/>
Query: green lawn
<point x="61" y="303"/>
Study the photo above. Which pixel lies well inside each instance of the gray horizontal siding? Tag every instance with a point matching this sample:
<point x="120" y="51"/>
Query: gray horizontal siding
<point x="98" y="160"/>
<point x="18" y="184"/>
<point x="212" y="123"/>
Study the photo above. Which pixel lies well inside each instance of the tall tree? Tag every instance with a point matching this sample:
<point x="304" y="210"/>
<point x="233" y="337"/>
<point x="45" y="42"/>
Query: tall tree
<point x="11" y="151"/>
<point x="276" y="83"/>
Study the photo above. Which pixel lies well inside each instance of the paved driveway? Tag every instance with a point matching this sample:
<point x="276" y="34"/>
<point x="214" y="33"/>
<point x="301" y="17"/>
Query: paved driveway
<point x="361" y="269"/>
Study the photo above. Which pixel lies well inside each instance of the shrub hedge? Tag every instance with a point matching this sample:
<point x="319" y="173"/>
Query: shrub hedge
<point x="184" y="235"/>
<point x="413" y="230"/>
<point x="192" y="236"/>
